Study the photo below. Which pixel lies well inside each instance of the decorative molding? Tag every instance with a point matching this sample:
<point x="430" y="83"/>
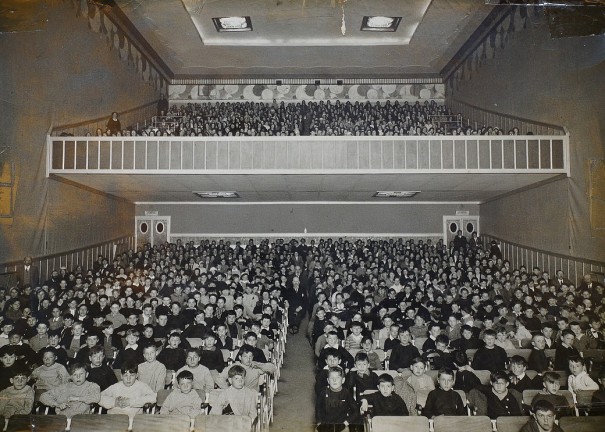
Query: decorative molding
<point x="409" y="79"/>
<point x="493" y="34"/>
<point x="290" y="203"/>
<point x="236" y="92"/>
<point x="123" y="38"/>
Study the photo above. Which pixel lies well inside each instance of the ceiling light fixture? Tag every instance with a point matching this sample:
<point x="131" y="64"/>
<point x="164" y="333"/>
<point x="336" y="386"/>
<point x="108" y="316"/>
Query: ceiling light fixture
<point x="395" y="194"/>
<point x="233" y="24"/>
<point x="216" y="194"/>
<point x="380" y="23"/>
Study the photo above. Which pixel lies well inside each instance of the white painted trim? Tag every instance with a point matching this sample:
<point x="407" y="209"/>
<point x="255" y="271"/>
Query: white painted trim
<point x="305" y="235"/>
<point x="241" y="203"/>
<point x="297" y="171"/>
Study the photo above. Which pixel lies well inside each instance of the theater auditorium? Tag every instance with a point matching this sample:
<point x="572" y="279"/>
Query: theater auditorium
<point x="302" y="215"/>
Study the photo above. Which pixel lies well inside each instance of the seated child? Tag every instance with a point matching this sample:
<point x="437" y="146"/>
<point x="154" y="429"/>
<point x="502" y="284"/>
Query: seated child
<point x="489" y="357"/>
<point x="210" y="355"/>
<point x="498" y="400"/>
<point x="360" y="377"/>
<point x="441" y="356"/>
<point x="173" y="355"/>
<point x="467" y="340"/>
<point x="332" y="341"/>
<point x="353" y="339"/>
<point x="202" y="378"/>
<point x="182" y="400"/>
<point x="128" y="396"/>
<point x="522" y="333"/>
<point x="92" y="339"/>
<point x="444" y="400"/>
<point x="152" y="372"/>
<point x="465" y="380"/>
<point x="132" y="352"/>
<point x="384" y="402"/>
<point x="99" y="373"/>
<point x="550" y="393"/>
<point x="502" y="339"/>
<point x="254" y="370"/>
<point x="565" y="350"/>
<point x="333" y="359"/>
<point x="519" y="380"/>
<point x="54" y="342"/>
<point x="73" y="397"/>
<point x="367" y="346"/>
<point x="543" y="418"/>
<point x="403" y="353"/>
<point x="335" y="408"/>
<point x="579" y="378"/>
<point x="237" y="399"/>
<point x="50" y="374"/>
<point x="419" y="380"/>
<point x="19" y="397"/>
<point x="537" y="357"/>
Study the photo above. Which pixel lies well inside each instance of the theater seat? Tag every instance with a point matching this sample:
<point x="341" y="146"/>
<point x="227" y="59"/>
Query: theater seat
<point x="398" y="424"/>
<point x="161" y="423"/>
<point x="582" y="424"/>
<point x="46" y="423"/>
<point x="99" y="423"/>
<point x="462" y="424"/>
<point x="223" y="423"/>
<point x="511" y="424"/>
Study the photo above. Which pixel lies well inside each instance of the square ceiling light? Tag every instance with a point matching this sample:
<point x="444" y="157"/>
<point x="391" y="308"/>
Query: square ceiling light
<point x="217" y="194"/>
<point x="380" y="23"/>
<point x="395" y="194"/>
<point x="233" y="24"/>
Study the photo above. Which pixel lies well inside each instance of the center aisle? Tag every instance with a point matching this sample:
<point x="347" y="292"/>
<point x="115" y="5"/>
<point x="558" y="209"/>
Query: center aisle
<point x="294" y="404"/>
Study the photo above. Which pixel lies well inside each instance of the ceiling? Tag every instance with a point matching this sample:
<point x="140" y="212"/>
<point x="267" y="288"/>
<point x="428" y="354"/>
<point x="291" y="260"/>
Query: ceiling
<point x="304" y="38"/>
<point x="298" y="39"/>
<point x="470" y="188"/>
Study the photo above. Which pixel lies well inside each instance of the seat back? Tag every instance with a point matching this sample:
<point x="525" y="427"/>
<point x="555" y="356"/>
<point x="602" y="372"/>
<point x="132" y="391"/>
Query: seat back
<point x="483" y="375"/>
<point x="398" y="424"/>
<point x="161" y="423"/>
<point x="528" y="396"/>
<point x="584" y="398"/>
<point x="50" y="423"/>
<point x="520" y="352"/>
<point x="99" y="423"/>
<point x="582" y="424"/>
<point x="195" y="342"/>
<point x="462" y="423"/>
<point x="222" y="423"/>
<point x="511" y="424"/>
<point x="433" y="374"/>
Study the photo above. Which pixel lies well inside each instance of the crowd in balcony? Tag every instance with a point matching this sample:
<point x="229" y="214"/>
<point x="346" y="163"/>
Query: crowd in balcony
<point x="329" y="118"/>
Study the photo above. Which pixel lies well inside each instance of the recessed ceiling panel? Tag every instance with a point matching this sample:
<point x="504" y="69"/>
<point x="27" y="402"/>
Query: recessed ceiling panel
<point x="306" y="23"/>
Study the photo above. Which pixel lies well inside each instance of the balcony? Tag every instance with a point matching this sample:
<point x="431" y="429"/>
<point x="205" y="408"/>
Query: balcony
<point x="308" y="155"/>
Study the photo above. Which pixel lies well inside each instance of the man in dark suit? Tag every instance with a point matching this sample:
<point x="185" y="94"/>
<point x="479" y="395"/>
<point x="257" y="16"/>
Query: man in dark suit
<point x="28" y="274"/>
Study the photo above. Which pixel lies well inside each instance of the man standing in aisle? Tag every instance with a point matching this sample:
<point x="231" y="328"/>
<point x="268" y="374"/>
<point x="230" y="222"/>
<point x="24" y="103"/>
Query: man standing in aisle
<point x="297" y="304"/>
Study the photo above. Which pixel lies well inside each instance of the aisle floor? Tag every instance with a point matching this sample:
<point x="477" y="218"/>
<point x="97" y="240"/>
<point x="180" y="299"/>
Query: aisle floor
<point x="294" y="405"/>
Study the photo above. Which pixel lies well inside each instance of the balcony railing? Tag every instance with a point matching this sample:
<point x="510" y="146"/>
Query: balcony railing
<point x="420" y="154"/>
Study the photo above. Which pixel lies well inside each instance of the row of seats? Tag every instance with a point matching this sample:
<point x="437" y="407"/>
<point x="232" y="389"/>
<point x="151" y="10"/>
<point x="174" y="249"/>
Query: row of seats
<point x="475" y="424"/>
<point x="120" y="422"/>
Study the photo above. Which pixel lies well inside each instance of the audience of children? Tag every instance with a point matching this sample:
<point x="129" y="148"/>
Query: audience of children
<point x="457" y="299"/>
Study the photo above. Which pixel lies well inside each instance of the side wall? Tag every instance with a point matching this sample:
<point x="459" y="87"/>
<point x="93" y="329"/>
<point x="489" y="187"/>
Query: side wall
<point x="558" y="81"/>
<point x="413" y="219"/>
<point x="61" y="74"/>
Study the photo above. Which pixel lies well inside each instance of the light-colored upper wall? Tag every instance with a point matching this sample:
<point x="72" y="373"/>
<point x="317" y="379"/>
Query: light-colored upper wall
<point x="557" y="81"/>
<point x="62" y="74"/>
<point x="328" y="218"/>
